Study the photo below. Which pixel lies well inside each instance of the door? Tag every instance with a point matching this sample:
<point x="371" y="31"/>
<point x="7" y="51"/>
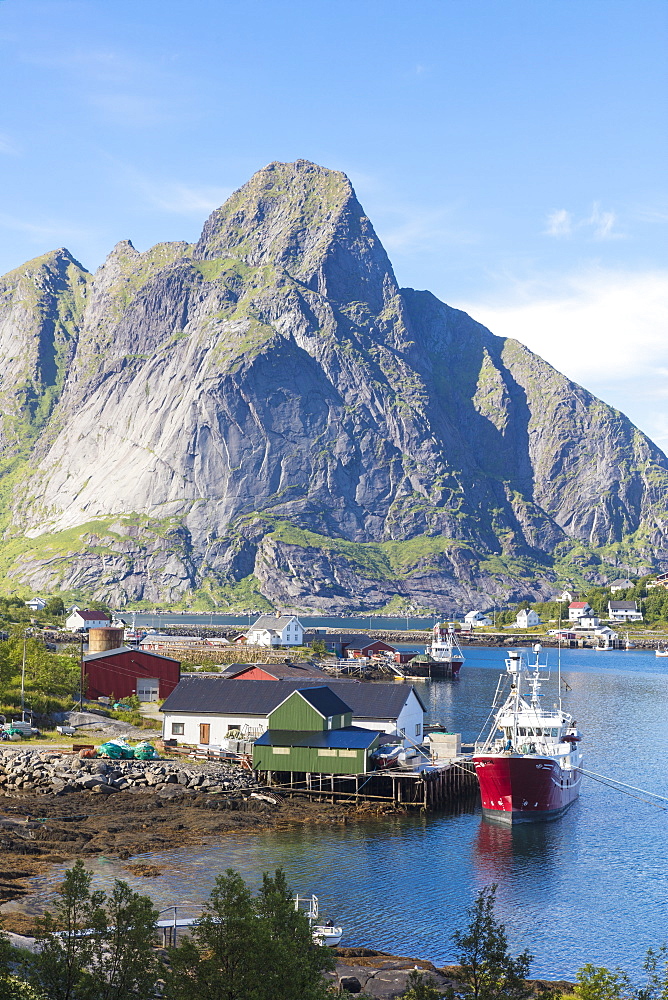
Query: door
<point x="148" y="688"/>
<point x="204" y="731"/>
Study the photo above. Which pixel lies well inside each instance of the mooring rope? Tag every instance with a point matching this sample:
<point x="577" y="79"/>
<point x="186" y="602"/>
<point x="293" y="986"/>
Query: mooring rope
<point x="604" y="779"/>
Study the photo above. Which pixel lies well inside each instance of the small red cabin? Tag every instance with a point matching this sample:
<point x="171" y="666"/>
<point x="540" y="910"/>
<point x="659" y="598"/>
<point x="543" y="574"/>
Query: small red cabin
<point x="126" y="671"/>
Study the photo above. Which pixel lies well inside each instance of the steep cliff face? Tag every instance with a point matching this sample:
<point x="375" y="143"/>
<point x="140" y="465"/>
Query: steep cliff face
<point x="41" y="305"/>
<point x="267" y="412"/>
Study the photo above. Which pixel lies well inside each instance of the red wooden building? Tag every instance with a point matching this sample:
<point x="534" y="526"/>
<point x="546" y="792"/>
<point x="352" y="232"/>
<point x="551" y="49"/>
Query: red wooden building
<point x="126" y="671"/>
<point x="366" y="647"/>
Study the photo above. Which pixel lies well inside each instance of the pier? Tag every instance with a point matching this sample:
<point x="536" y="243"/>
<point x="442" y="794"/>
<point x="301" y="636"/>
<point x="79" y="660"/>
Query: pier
<point x="427" y="788"/>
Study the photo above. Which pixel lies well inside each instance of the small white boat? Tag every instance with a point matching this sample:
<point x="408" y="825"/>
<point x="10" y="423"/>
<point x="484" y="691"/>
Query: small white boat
<point x="327" y="933"/>
<point x="661" y="651"/>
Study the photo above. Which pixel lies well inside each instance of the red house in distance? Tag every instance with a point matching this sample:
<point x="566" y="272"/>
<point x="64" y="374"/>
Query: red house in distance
<point x="127" y="671"/>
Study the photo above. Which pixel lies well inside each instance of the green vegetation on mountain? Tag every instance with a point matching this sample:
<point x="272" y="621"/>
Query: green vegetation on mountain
<point x="265" y="416"/>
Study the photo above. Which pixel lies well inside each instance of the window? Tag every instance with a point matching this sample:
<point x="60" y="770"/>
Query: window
<point x="418" y="729"/>
<point x="281" y="750"/>
<point x="347" y="753"/>
<point x="177" y="728"/>
<point x="326" y="753"/>
<point x="402" y="732"/>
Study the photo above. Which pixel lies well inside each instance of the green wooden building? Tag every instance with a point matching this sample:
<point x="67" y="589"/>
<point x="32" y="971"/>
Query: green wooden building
<point x="311" y="731"/>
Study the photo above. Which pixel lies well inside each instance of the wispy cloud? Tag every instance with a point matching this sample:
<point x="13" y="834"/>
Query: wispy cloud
<point x="95" y="65"/>
<point x="559" y="223"/>
<point x="180" y="197"/>
<point x="602" y="223"/>
<point x="7" y="146"/>
<point x="598" y="225"/>
<point x="51" y="229"/>
<point x="131" y="109"/>
<point x="185" y="199"/>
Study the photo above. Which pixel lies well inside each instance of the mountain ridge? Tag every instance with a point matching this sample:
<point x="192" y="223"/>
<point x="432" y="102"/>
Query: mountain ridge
<point x="233" y="415"/>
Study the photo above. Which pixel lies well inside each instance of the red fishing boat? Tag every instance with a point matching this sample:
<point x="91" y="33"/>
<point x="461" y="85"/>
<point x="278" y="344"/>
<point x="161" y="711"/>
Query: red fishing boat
<point x="531" y="771"/>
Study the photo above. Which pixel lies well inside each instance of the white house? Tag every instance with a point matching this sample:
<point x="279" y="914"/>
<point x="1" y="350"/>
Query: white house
<point x="589" y="621"/>
<point x="478" y="619"/>
<point x="36" y="604"/>
<point x="567" y="595"/>
<point x="576" y="609"/>
<point x="275" y="630"/>
<point x="622" y="584"/>
<point x="527" y="618"/>
<point x="624" y="611"/>
<point x="607" y="632"/>
<point x="204" y="708"/>
<point x="87" y="619"/>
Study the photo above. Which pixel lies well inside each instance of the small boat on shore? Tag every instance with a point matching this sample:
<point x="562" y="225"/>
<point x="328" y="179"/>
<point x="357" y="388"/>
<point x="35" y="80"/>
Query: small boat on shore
<point x="532" y="771"/>
<point x="661" y="651"/>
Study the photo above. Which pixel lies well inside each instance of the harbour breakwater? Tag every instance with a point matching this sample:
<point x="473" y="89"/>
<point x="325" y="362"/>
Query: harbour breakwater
<point x="414" y="636"/>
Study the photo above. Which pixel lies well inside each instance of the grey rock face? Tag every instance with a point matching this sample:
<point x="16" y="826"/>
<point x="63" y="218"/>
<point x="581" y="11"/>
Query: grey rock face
<point x="268" y="404"/>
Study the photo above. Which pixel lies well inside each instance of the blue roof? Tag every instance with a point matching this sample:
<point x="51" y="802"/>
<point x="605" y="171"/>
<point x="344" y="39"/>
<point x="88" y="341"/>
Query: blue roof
<point x="350" y="738"/>
<point x="323" y="700"/>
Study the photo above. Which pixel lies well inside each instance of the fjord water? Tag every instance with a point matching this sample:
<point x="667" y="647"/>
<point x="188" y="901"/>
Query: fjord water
<point x="590" y="887"/>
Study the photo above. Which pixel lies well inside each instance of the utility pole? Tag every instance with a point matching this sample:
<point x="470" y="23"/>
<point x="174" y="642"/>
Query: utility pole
<point x="81" y="674"/>
<point x="23" y="677"/>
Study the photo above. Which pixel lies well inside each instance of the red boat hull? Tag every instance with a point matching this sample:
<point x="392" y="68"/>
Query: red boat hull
<point x="524" y="789"/>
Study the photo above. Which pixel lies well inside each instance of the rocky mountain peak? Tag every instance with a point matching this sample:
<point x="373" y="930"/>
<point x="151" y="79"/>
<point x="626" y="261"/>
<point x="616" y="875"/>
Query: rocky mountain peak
<point x="265" y="415"/>
<point x="306" y="220"/>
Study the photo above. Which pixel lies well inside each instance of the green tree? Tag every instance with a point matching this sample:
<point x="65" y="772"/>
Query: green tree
<point x="55" y="606"/>
<point x="220" y="961"/>
<point x="487" y="969"/>
<point x="294" y="963"/>
<point x="656" y="967"/>
<point x="598" y="983"/>
<point x="122" y="965"/>
<point x="65" y="952"/>
<point x="421" y="987"/>
<point x="319" y="648"/>
<point x="249" y="949"/>
<point x="99" y="606"/>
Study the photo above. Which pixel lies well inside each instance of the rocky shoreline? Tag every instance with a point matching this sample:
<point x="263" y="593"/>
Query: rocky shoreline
<point x="56" y="807"/>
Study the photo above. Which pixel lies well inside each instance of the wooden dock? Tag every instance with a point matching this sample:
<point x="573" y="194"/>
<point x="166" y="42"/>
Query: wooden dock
<point x="428" y="788"/>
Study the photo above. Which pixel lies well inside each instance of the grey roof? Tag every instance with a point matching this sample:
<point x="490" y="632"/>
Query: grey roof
<point x="350" y="738"/>
<point x="109" y="653"/>
<point x="217" y="695"/>
<point x="619" y="583"/>
<point x="324" y="701"/>
<point x="622" y="605"/>
<point x="92" y="616"/>
<point x="272" y="622"/>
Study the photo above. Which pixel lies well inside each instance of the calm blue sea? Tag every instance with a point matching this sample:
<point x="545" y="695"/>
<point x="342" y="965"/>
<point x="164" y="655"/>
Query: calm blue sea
<point x="590" y="887"/>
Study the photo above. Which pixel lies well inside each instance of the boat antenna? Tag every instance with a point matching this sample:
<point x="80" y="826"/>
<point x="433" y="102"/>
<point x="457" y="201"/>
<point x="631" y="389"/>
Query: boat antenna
<point x="559" y="662"/>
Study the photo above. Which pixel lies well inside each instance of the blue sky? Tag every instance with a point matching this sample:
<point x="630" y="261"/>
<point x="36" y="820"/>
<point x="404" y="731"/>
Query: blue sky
<point x="512" y="156"/>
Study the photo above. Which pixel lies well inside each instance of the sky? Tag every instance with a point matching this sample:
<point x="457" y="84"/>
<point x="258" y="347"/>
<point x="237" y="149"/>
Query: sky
<point x="511" y="156"/>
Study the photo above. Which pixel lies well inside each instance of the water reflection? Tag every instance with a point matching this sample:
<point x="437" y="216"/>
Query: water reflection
<point x="591" y="886"/>
<point x="500" y="850"/>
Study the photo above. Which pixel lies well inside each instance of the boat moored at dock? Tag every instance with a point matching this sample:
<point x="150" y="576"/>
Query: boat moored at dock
<point x="531" y="771"/>
<point x="442" y="657"/>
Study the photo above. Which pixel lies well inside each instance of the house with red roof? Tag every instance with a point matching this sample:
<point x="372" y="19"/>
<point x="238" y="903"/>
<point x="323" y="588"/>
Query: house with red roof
<point x="578" y="609"/>
<point x="87" y="619"/>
